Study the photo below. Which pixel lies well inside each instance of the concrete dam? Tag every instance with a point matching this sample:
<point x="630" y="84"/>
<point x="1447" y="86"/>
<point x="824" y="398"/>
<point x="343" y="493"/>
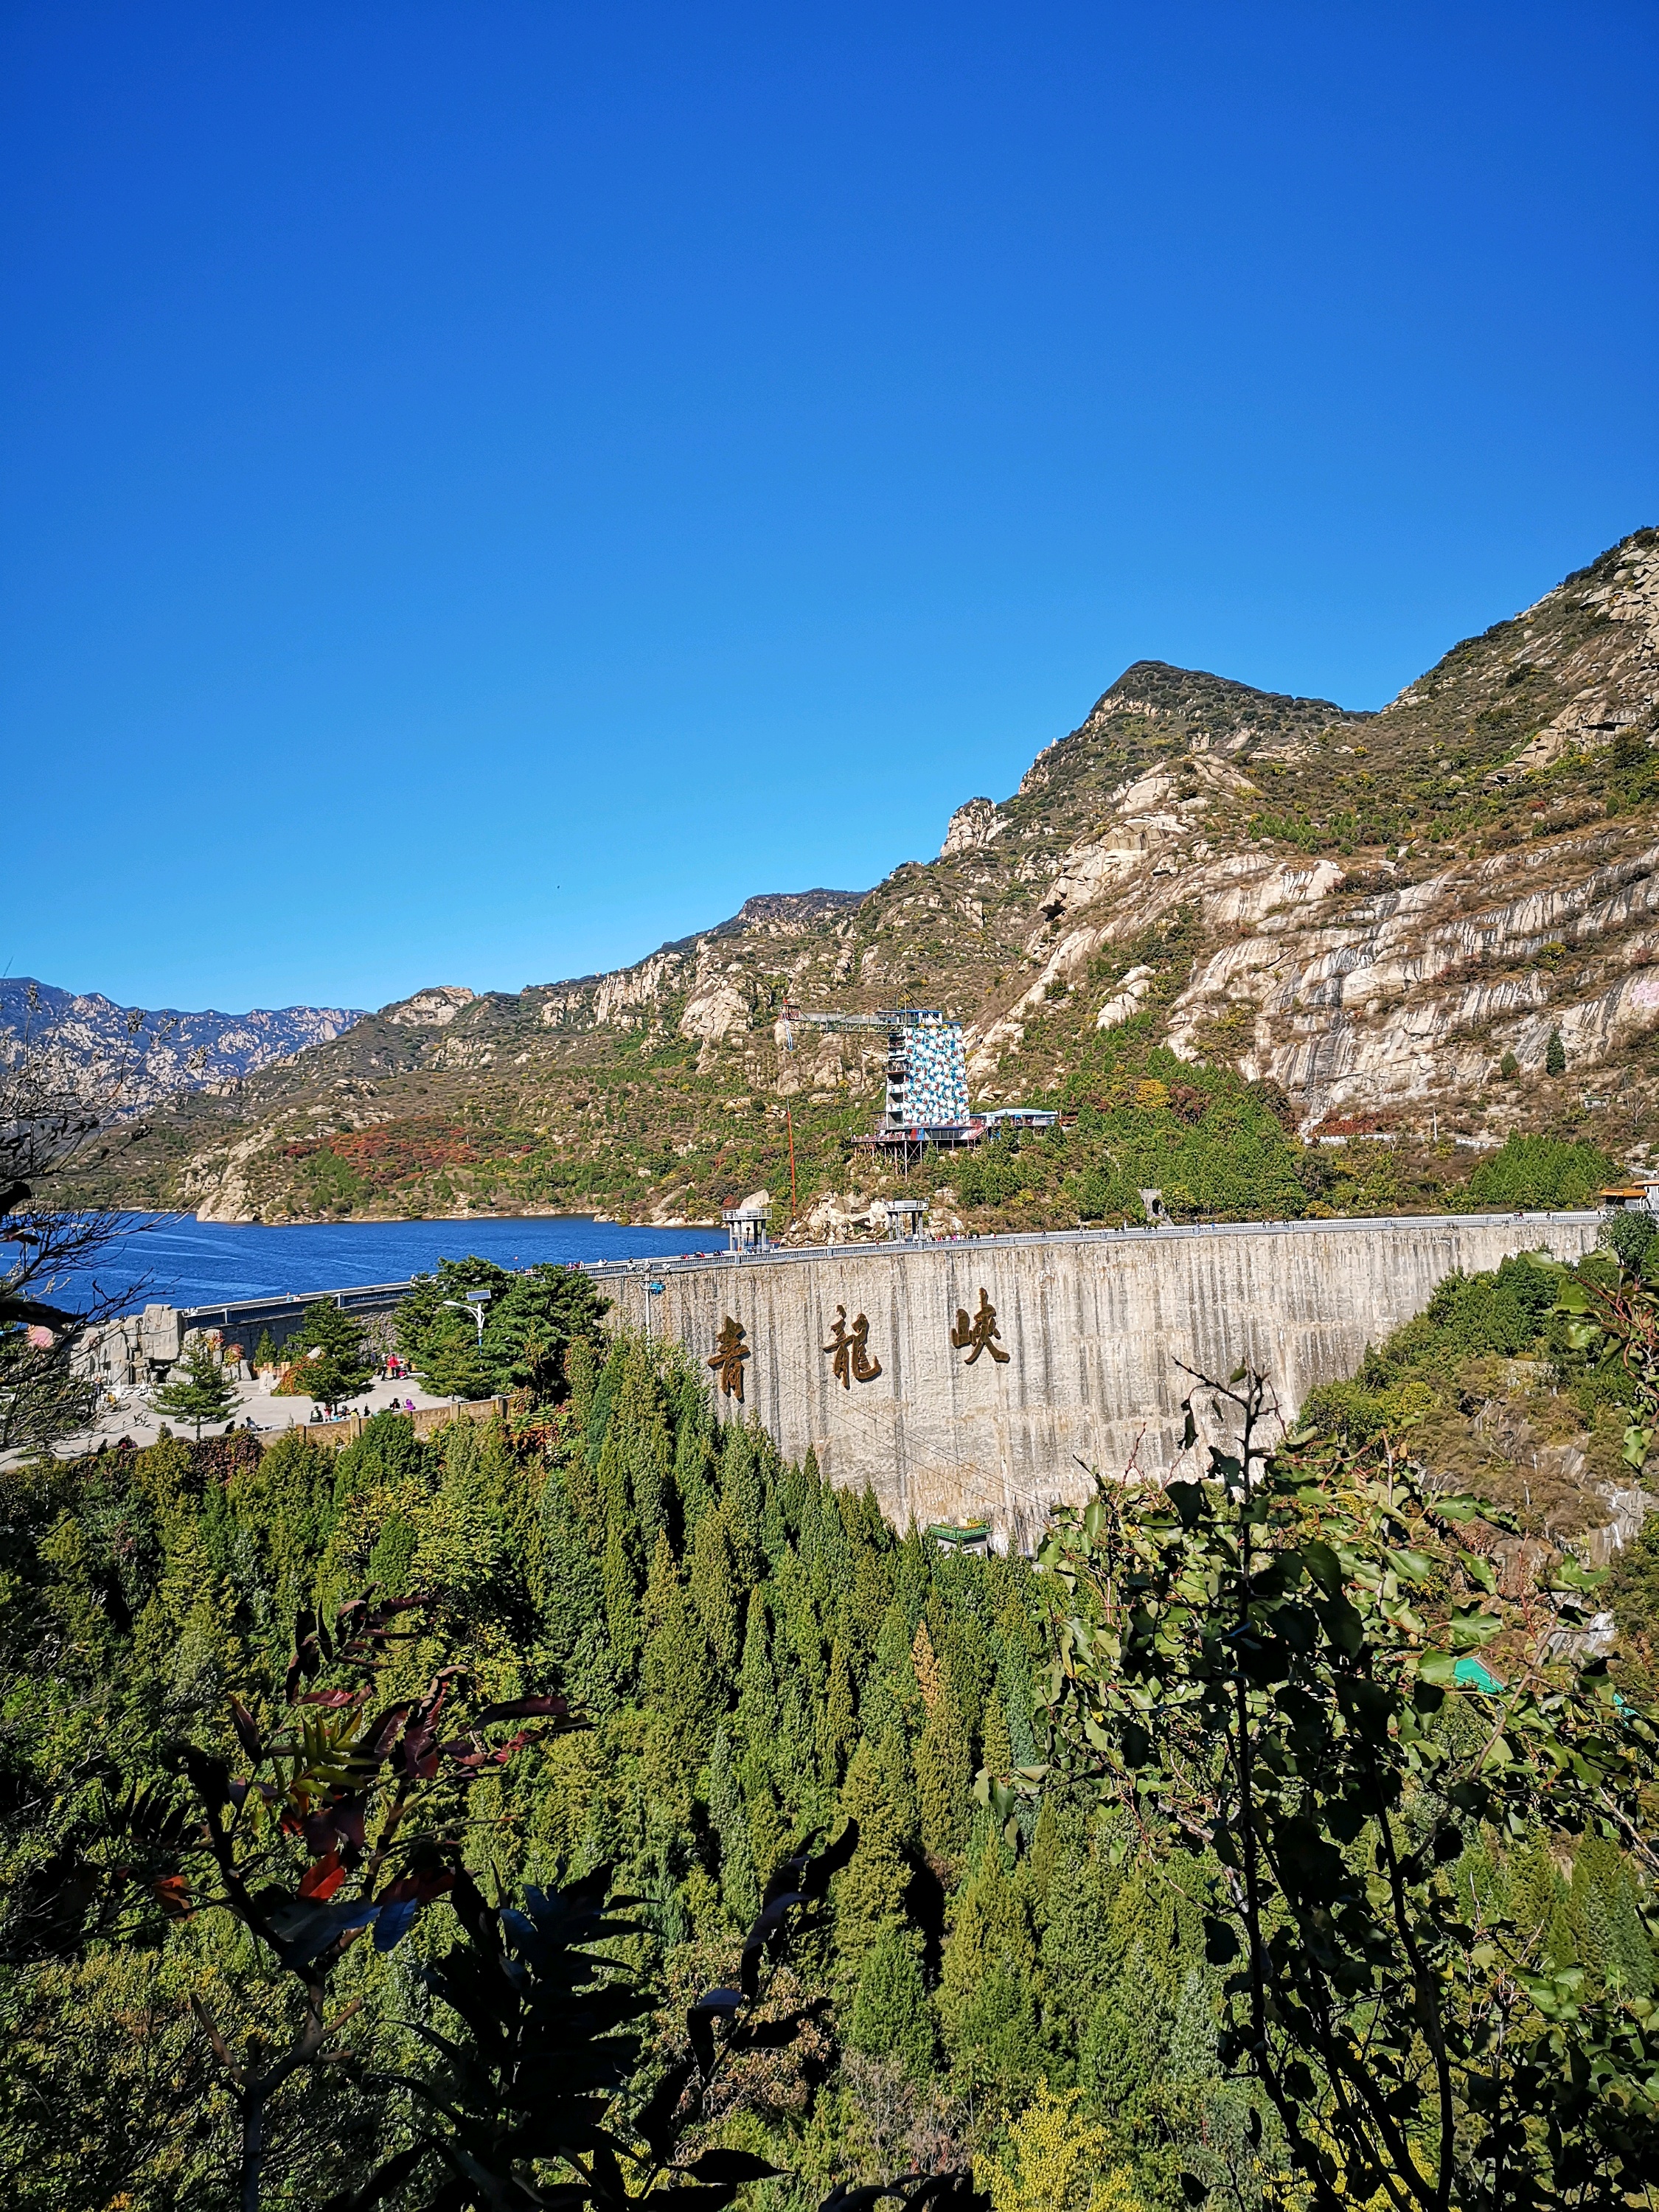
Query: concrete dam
<point x="981" y="1380"/>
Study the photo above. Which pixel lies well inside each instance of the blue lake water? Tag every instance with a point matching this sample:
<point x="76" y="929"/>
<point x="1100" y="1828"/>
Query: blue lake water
<point x="191" y="1263"/>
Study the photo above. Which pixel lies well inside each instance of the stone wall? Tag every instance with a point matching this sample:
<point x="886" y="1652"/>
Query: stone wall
<point x="1091" y="1326"/>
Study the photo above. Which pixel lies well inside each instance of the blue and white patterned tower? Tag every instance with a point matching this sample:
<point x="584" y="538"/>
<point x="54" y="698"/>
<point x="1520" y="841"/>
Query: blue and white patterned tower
<point x="926" y="1073"/>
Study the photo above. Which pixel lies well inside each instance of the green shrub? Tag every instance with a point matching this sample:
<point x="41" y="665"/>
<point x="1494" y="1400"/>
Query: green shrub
<point x="1535" y="1173"/>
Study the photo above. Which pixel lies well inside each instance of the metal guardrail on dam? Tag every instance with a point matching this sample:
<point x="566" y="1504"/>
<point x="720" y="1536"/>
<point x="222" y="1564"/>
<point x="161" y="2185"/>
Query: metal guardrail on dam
<point x="981" y="1378"/>
<point x="902" y="1246"/>
<point x="248" y="1314"/>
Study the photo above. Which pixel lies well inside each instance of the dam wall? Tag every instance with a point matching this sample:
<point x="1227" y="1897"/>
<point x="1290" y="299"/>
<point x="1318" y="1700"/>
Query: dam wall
<point x="879" y="1359"/>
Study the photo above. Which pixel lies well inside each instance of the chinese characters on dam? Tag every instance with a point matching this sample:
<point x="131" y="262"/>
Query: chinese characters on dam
<point x="979" y="1334"/>
<point x="730" y="1352"/>
<point x="848" y="1349"/>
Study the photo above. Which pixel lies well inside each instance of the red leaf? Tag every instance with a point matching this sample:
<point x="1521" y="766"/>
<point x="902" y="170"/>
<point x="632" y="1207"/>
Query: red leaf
<point x="322" y="1880"/>
<point x="172" y="1894"/>
<point x="247" y="1734"/>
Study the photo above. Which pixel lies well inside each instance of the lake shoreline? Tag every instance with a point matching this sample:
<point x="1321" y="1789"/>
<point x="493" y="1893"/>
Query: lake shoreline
<point x="678" y="1223"/>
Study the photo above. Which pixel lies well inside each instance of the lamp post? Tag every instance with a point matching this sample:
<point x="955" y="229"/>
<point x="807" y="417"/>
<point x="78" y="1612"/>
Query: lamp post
<point x="474" y="1304"/>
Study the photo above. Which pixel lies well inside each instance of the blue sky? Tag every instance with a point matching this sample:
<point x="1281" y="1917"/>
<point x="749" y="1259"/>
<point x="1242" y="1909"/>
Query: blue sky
<point x="488" y="487"/>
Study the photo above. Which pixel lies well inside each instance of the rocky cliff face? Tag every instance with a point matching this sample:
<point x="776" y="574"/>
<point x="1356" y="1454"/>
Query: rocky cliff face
<point x="136" y="1057"/>
<point x="1368" y="911"/>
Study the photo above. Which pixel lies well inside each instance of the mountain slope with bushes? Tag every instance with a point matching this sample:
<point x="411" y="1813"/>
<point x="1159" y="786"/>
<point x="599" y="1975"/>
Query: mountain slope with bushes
<point x="1411" y="932"/>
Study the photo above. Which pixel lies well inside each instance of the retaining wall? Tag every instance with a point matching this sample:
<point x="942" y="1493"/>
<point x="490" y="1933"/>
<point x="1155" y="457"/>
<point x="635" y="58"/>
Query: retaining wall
<point x="1091" y="1325"/>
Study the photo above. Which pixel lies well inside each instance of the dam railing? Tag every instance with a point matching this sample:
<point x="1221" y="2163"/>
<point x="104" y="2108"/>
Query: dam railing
<point x="241" y="1314"/>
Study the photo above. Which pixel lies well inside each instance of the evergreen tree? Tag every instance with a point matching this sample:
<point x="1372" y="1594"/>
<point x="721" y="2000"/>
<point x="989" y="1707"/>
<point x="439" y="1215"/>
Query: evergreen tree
<point x="715" y="1589"/>
<point x="838" y="1720"/>
<point x="676" y="1680"/>
<point x="891" y="2014"/>
<point x="799" y="1621"/>
<point x="1555" y="1056"/>
<point x="621" y="1604"/>
<point x="997" y="1741"/>
<point x="197" y="1390"/>
<point x="930" y="1675"/>
<point x="742" y="1495"/>
<point x="944" y="1779"/>
<point x="1080" y="1958"/>
<point x="328" y="1353"/>
<point x="759" y="1712"/>
<point x="641" y="1424"/>
<point x="870" y="1892"/>
<point x="889" y="1695"/>
<point x="988" y="1993"/>
<point x="729" y="1818"/>
<point x="569" y="1586"/>
<point x="770" y="1834"/>
<point x="1193" y="2034"/>
<point x="693" y="1450"/>
<point x="1119" y="2063"/>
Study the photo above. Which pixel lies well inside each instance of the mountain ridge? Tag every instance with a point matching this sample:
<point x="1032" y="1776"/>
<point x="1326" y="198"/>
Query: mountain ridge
<point x="1358" y="912"/>
<point x="147" y="1055"/>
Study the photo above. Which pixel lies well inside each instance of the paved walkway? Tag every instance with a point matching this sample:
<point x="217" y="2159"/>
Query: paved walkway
<point x="133" y="1416"/>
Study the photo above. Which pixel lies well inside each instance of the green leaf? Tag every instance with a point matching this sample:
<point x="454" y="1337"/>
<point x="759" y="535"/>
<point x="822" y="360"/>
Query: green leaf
<point x="1439" y="1667"/>
<point x="1472" y="1629"/>
<point x="1573" y="1576"/>
<point x="1323" y="1566"/>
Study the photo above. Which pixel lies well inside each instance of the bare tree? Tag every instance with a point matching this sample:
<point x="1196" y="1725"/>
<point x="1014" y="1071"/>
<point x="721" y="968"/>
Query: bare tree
<point x="57" y="1128"/>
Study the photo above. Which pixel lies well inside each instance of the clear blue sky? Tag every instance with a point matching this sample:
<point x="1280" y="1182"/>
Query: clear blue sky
<point x="487" y="487"/>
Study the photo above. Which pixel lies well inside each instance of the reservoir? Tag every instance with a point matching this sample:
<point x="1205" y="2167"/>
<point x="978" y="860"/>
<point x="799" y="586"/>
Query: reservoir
<point x="180" y="1261"/>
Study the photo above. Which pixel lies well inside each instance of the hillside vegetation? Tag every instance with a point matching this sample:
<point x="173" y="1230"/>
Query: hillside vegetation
<point x="1207" y="911"/>
<point x="760" y="1659"/>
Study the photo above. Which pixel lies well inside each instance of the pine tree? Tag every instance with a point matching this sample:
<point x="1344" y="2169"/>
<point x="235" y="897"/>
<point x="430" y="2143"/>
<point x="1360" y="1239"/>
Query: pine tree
<point x="1555" y="1056"/>
<point x="891" y="2014"/>
<point x="944" y="1779"/>
<point x="622" y="1603"/>
<point x="715" y="1589"/>
<point x="838" y="1719"/>
<point x="877" y="1793"/>
<point x="676" y="1680"/>
<point x="729" y="1818"/>
<point x="741" y="1494"/>
<point x="987" y="1992"/>
<point x="759" y="1711"/>
<point x="197" y="1390"/>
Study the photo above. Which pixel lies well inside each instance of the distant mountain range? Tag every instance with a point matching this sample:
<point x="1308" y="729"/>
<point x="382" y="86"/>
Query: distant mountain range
<point x="139" y="1055"/>
<point x="1379" y="920"/>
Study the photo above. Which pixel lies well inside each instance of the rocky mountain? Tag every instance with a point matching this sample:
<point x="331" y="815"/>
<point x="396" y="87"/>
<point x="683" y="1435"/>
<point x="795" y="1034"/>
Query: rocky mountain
<point x="135" y="1058"/>
<point x="1373" y="922"/>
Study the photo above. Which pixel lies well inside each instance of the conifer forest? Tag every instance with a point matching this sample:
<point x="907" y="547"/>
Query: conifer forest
<point x="589" y="1807"/>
